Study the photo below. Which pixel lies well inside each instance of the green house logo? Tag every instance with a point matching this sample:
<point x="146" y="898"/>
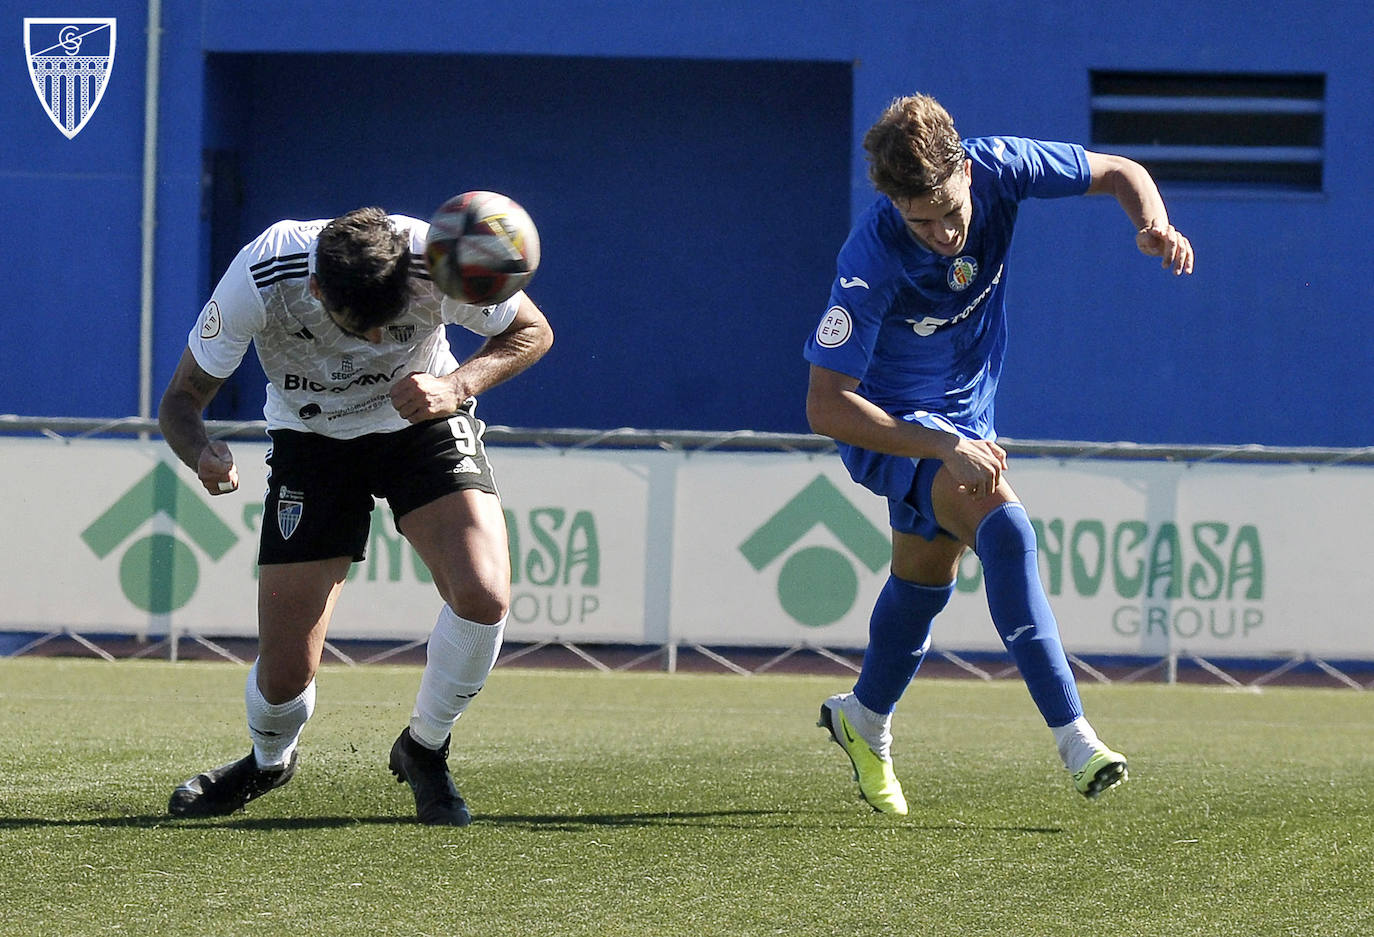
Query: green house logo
<point x="159" y="572"/>
<point x="817" y="585"/>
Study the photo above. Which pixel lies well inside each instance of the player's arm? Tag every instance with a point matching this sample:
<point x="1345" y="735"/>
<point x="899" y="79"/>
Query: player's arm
<point x="180" y="417"/>
<point x="835" y="408"/>
<point x="501" y="357"/>
<point x="1131" y="185"/>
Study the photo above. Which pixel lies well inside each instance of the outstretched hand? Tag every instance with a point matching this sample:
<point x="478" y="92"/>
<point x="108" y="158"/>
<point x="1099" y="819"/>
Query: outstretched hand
<point x="1165" y="242"/>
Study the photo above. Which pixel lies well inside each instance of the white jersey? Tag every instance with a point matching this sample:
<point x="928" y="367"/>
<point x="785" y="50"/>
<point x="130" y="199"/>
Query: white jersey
<point x="321" y="379"/>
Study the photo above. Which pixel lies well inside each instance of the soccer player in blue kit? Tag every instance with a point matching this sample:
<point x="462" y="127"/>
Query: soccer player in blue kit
<point x="904" y="371"/>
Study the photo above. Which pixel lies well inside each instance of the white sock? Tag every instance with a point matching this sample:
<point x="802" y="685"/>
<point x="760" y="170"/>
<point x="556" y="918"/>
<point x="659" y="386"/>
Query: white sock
<point x="1077" y="742"/>
<point x="275" y="727"/>
<point x="875" y="728"/>
<point x="459" y="656"/>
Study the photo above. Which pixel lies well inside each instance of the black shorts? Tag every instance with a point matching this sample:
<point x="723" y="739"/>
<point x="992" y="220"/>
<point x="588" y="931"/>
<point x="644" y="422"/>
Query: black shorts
<point x="320" y="490"/>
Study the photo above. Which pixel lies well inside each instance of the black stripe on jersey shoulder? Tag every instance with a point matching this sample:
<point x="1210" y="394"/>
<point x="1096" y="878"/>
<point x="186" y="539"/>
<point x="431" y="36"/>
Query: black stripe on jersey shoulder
<point x="276" y="269"/>
<point x="280" y="268"/>
<point x="268" y="277"/>
<point x="284" y="258"/>
<point x="418" y="268"/>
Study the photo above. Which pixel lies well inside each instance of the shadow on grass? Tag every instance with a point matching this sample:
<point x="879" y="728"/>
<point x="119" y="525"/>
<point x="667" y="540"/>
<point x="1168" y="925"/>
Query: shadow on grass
<point x="746" y="819"/>
<point x="724" y="819"/>
<point x="152" y="820"/>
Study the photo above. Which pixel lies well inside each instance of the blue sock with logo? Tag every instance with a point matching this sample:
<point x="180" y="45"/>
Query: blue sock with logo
<point x="898" y="636"/>
<point x="1005" y="542"/>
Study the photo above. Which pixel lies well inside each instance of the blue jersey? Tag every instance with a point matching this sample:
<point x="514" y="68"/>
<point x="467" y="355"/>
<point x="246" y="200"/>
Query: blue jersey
<point x="925" y="334"/>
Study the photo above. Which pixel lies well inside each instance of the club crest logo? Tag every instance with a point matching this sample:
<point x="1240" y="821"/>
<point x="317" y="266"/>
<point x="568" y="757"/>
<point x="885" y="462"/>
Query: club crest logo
<point x="289" y="517"/>
<point x="962" y="273"/>
<point x="69" y="62"/>
<point x="290" y="507"/>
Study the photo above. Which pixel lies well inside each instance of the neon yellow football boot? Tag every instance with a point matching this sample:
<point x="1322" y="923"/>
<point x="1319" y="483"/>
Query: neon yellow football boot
<point x="877" y="783"/>
<point x="1103" y="771"/>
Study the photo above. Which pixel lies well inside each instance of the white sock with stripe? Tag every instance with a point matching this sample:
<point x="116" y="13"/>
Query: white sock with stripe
<point x="275" y="727"/>
<point x="459" y="656"/>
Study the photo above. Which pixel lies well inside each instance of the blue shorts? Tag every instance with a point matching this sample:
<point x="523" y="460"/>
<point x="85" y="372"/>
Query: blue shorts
<point x="914" y="512"/>
<point x="903" y="481"/>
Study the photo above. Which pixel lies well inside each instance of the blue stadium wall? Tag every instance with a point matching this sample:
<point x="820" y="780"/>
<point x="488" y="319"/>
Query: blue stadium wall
<point x="693" y="168"/>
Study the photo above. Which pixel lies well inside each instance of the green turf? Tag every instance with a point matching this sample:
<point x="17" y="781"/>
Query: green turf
<point x="650" y="804"/>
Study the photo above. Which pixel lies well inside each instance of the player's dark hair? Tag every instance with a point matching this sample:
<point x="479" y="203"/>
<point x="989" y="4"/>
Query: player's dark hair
<point x="362" y="265"/>
<point x="913" y="148"/>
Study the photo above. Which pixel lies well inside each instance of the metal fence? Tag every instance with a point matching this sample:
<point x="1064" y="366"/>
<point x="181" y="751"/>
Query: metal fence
<point x="631" y="438"/>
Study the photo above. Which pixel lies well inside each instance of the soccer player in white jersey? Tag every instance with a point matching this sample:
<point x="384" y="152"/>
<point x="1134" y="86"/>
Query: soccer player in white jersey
<point x="364" y="399"/>
<point x="904" y="369"/>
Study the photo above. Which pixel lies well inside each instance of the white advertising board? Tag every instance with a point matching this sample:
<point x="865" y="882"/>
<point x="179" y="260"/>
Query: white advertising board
<point x="1139" y="558"/>
<point x="775" y="549"/>
<point x="115" y="536"/>
<point x="715" y="548"/>
<point x="1205" y="559"/>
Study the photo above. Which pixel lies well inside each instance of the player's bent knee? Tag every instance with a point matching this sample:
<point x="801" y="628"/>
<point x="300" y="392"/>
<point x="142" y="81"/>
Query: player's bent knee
<point x="483" y="606"/>
<point x="474" y="594"/>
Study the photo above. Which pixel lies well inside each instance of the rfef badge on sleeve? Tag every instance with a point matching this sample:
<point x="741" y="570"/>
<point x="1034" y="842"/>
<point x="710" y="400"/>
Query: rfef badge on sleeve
<point x="70" y="62"/>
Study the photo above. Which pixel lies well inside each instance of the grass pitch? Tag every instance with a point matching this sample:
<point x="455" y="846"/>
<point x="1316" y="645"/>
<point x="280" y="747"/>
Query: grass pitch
<point x="653" y="804"/>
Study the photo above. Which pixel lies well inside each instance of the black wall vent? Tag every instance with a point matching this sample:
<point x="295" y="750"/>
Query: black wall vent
<point x="1214" y="129"/>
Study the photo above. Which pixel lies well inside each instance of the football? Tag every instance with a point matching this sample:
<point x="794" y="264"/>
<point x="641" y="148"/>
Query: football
<point x="482" y="248"/>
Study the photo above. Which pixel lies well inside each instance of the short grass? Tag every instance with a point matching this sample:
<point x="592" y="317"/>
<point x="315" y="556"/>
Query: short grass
<point x="654" y="804"/>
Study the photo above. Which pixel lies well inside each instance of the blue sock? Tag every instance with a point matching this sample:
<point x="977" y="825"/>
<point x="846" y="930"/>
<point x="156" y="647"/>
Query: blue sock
<point x="898" y="635"/>
<point x="1005" y="543"/>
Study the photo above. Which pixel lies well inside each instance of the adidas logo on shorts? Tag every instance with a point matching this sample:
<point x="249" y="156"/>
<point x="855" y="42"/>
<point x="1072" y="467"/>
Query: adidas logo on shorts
<point x="466" y="467"/>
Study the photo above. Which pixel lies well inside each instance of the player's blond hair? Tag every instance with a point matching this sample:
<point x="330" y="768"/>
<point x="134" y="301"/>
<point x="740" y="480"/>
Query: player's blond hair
<point x="913" y="148"/>
<point x="362" y="265"/>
